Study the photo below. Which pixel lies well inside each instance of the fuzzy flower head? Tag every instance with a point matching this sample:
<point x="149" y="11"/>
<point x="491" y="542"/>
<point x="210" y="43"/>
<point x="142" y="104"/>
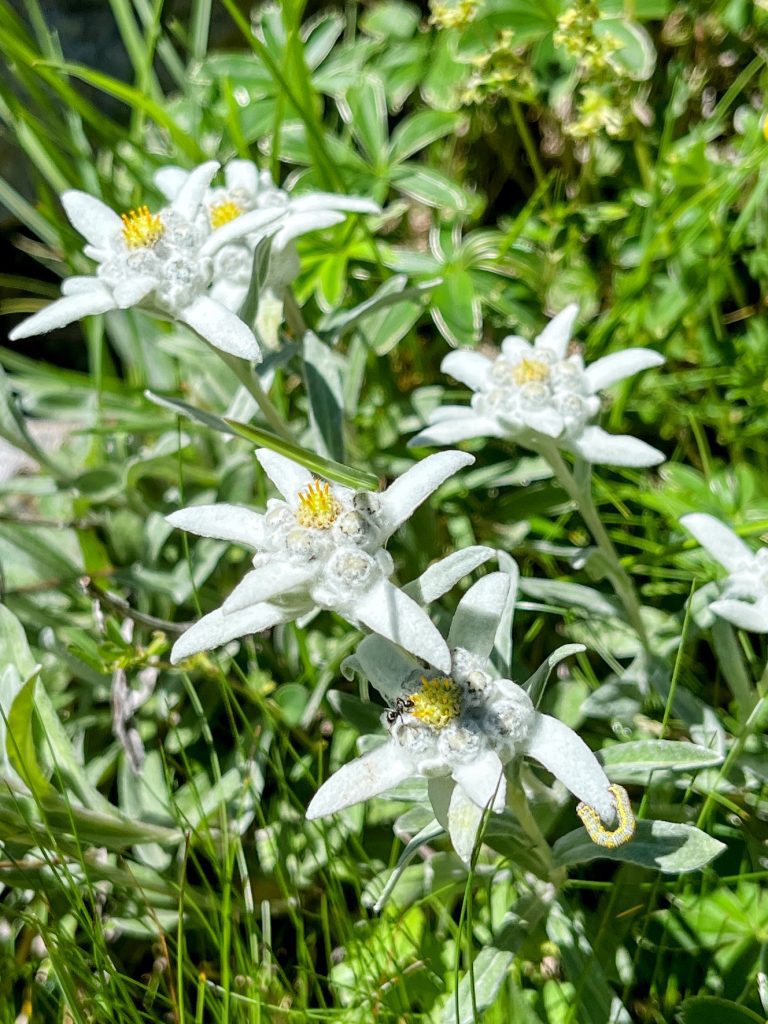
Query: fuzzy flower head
<point x="320" y="546"/>
<point x="459" y="729"/>
<point x="246" y="190"/>
<point x="163" y="261"/>
<point x="744" y="600"/>
<point x="538" y="394"/>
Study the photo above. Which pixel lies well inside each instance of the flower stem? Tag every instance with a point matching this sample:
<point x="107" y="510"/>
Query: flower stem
<point x="581" y="493"/>
<point x="517" y="802"/>
<point x="248" y="379"/>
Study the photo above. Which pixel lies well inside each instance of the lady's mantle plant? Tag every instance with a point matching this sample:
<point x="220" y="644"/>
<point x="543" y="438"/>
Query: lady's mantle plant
<point x="162" y="261"/>
<point x="539" y="394"/>
<point x="744" y="600"/>
<point x="459" y="731"/>
<point x="323" y="546"/>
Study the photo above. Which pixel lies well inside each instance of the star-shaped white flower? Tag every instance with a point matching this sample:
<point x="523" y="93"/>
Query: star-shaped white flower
<point x="323" y="546"/>
<point x="246" y="189"/>
<point x="459" y="730"/>
<point x="162" y="261"/>
<point x="744" y="600"/>
<point x="538" y="393"/>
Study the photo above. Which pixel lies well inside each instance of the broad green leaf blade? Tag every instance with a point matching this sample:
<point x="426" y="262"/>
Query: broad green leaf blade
<point x="316" y="463"/>
<point x="20" y="743"/>
<point x="666" y="846"/>
<point x="490" y="968"/>
<point x="325" y="394"/>
<point x="14" y="648"/>
<point x="419" y="130"/>
<point x="646" y="755"/>
<point x="713" y="1010"/>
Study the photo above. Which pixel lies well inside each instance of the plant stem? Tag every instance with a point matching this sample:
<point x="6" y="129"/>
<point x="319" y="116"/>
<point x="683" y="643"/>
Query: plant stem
<point x="245" y="375"/>
<point x="582" y="496"/>
<point x="517" y="802"/>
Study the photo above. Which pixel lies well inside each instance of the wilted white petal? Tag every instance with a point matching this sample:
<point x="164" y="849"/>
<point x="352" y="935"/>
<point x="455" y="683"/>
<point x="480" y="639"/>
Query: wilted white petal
<point x="406" y="493"/>
<point x="483" y="780"/>
<point x="719" y="540"/>
<point x="331" y="201"/>
<point x="216" y="629"/>
<point x="370" y="775"/>
<point x="558" y="332"/>
<point x="596" y="445"/>
<point x="132" y="290"/>
<point x="257" y="222"/>
<point x="478" y="613"/>
<point x="752" y="617"/>
<point x="618" y="365"/>
<point x="64" y="311"/>
<point x="170" y="179"/>
<point x="384" y="665"/>
<point x="471" y="368"/>
<point x="236" y="523"/>
<point x="446" y="573"/>
<point x="288" y="476"/>
<point x="392" y="614"/>
<point x="464" y="819"/>
<point x="189" y="198"/>
<point x="570" y="760"/>
<point x="460" y="429"/>
<point x="267" y="582"/>
<point x="221" y="328"/>
<point x="95" y="221"/>
<point x="514" y="345"/>
<point x="297" y="224"/>
<point x="242" y="175"/>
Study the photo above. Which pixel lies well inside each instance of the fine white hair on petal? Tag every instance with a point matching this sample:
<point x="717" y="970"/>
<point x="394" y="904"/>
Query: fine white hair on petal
<point x="477" y="616"/>
<point x="256" y="222"/>
<point x="96" y="222"/>
<point x="79" y="284"/>
<point x="483" y="780"/>
<point x="618" y="365"/>
<point x="216" y="629"/>
<point x="461" y="429"/>
<point x="235" y="523"/>
<point x="266" y="583"/>
<point x="170" y="179"/>
<point x="384" y="665"/>
<point x="297" y="224"/>
<point x="561" y="751"/>
<point x="514" y="345"/>
<point x="289" y="477"/>
<point x="546" y="421"/>
<point x="389" y="612"/>
<point x="221" y="328"/>
<point x="242" y="174"/>
<point x="558" y="331"/>
<point x="470" y="368"/>
<point x="408" y="491"/>
<point x="444" y="574"/>
<point x="131" y="290"/>
<point x="752" y="617"/>
<point x="720" y="541"/>
<point x="368" y="776"/>
<point x="464" y="820"/>
<point x="332" y="201"/>
<point x="64" y="311"/>
<point x="189" y="198"/>
<point x="598" y="446"/>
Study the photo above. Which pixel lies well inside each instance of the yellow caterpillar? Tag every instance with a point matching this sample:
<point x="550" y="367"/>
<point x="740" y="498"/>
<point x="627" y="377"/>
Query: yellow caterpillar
<point x="598" y="833"/>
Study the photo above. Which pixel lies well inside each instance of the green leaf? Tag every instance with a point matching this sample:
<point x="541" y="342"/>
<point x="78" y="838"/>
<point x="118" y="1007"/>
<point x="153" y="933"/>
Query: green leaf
<point x="20" y="743"/>
<point x="419" y="130"/>
<point x="366" y="112"/>
<point x="430" y="187"/>
<point x="456" y="308"/>
<point x="712" y="1010"/>
<point x="489" y="969"/>
<point x="316" y="463"/>
<point x="646" y="755"/>
<point x="666" y="846"/>
<point x="13" y="644"/>
<point x="325" y="394"/>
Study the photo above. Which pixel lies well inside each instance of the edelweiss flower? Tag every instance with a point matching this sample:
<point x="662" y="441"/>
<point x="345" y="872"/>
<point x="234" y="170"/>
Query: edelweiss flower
<point x="322" y="547"/>
<point x="160" y="260"/>
<point x="248" y="189"/>
<point x="745" y="589"/>
<point x="538" y="393"/>
<point x="459" y="730"/>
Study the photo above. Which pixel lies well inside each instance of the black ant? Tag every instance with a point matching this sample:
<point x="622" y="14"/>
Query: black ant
<point x="402" y="704"/>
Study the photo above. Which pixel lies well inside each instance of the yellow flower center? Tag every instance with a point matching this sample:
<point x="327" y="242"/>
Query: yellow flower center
<point x="223" y="212"/>
<point x="142" y="229"/>
<point x="438" y="702"/>
<point x="529" y="371"/>
<point x="318" y="508"/>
